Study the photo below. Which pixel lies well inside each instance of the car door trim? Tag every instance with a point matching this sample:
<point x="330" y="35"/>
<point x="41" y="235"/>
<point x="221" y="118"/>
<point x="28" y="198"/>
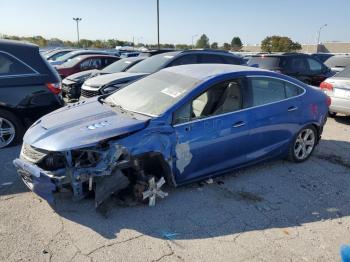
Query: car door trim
<point x="250" y="108"/>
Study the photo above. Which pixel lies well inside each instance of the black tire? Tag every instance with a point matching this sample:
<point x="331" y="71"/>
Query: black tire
<point x="332" y="114"/>
<point x="305" y="144"/>
<point x="17" y="124"/>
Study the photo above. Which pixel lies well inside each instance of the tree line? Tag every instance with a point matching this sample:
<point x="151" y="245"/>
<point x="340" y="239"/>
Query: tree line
<point x="269" y="44"/>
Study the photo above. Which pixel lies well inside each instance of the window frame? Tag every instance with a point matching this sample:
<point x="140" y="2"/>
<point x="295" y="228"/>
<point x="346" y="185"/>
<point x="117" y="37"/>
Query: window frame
<point x="35" y="72"/>
<point x="246" y="77"/>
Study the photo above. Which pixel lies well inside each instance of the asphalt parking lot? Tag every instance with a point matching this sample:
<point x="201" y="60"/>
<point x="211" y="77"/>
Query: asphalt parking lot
<point x="276" y="211"/>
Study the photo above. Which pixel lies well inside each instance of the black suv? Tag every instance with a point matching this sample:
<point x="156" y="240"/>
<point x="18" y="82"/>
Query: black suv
<point x="105" y="84"/>
<point x="301" y="66"/>
<point x="29" y="89"/>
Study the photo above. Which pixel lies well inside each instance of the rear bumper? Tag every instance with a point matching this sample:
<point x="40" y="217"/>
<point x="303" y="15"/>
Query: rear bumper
<point x="340" y="105"/>
<point x="36" y="179"/>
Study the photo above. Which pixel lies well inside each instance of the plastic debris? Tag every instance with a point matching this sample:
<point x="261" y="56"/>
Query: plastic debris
<point x="345" y="253"/>
<point x="169" y="235"/>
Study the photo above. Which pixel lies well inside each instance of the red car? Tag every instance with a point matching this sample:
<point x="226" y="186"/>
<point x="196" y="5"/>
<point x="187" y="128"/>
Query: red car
<point x="85" y="62"/>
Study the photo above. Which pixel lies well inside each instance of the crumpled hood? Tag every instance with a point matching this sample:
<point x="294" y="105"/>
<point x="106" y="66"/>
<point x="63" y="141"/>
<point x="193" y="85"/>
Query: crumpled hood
<point x="80" y="125"/>
<point x="103" y="80"/>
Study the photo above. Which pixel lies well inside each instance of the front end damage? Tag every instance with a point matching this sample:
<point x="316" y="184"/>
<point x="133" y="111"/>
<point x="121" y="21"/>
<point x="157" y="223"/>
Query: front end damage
<point x="103" y="169"/>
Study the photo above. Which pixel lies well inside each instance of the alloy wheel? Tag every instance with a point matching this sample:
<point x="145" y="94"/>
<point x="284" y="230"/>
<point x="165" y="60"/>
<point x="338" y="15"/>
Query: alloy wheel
<point x="7" y="132"/>
<point x="304" y="144"/>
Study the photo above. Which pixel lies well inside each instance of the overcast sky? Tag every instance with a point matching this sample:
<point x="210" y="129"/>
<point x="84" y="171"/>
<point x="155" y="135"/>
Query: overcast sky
<point x="252" y="20"/>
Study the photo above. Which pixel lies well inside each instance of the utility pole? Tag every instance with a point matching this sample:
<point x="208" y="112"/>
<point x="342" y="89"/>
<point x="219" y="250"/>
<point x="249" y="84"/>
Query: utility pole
<point x="319" y="36"/>
<point x="77" y="20"/>
<point x="158" y="22"/>
<point x="192" y="40"/>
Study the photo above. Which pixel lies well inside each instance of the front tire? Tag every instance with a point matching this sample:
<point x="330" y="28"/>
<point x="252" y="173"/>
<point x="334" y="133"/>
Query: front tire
<point x="303" y="144"/>
<point x="11" y="129"/>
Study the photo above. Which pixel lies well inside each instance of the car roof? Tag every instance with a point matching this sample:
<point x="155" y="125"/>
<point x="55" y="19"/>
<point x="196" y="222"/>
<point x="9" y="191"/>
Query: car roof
<point x="204" y="71"/>
<point x="96" y="55"/>
<point x="279" y="54"/>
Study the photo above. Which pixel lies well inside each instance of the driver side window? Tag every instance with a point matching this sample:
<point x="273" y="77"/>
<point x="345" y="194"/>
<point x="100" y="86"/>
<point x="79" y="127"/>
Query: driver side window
<point x="221" y="98"/>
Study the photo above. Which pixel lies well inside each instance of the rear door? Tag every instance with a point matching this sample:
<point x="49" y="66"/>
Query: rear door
<point x="316" y="71"/>
<point x="212" y="132"/>
<point x="297" y="67"/>
<point x="275" y="107"/>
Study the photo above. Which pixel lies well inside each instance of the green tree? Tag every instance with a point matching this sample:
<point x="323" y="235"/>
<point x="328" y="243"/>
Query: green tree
<point x="214" y="45"/>
<point x="226" y="46"/>
<point x="279" y="44"/>
<point x="236" y="43"/>
<point x="203" y="42"/>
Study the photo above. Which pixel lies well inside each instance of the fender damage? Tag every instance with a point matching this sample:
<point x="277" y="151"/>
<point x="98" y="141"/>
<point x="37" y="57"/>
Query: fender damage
<point x="137" y="160"/>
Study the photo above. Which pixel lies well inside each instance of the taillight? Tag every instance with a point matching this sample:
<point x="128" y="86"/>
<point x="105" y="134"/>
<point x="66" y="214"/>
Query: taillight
<point x="54" y="87"/>
<point x="326" y="86"/>
<point x="328" y="101"/>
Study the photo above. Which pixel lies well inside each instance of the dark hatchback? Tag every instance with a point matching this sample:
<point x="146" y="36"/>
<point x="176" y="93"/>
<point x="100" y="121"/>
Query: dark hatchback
<point x="29" y="89"/>
<point x="300" y="66"/>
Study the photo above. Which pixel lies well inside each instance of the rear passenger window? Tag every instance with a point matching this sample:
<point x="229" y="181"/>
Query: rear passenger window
<point x="211" y="59"/>
<point x="292" y="90"/>
<point x="184" y="60"/>
<point x="11" y="66"/>
<point x="232" y="60"/>
<point x="267" y="90"/>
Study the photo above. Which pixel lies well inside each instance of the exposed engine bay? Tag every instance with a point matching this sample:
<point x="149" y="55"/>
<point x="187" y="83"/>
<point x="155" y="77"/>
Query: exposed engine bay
<point x="104" y="169"/>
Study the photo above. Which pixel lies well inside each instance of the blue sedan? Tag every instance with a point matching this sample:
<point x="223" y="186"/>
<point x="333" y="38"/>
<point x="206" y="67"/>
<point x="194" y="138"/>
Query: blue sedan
<point x="179" y="125"/>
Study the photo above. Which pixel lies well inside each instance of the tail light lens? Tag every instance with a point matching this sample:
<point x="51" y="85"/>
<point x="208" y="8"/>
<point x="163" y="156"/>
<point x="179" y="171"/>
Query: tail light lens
<point x="55" y="88"/>
<point x="326" y="86"/>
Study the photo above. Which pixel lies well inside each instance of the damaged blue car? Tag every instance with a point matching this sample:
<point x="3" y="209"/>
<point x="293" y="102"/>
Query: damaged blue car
<point x="179" y="125"/>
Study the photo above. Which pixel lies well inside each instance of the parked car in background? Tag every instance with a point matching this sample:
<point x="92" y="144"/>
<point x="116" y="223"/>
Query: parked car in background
<point x="109" y="83"/>
<point x="129" y="54"/>
<point x="71" y="85"/>
<point x="53" y="55"/>
<point x="29" y="89"/>
<point x="180" y="125"/>
<point x="63" y="59"/>
<point x="300" y="66"/>
<point x="85" y="62"/>
<point x="338" y="88"/>
<point x="322" y="57"/>
<point x="338" y="62"/>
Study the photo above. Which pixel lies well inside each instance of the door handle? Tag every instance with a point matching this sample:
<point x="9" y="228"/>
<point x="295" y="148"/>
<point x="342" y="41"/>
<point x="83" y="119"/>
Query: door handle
<point x="292" y="108"/>
<point x="239" y="124"/>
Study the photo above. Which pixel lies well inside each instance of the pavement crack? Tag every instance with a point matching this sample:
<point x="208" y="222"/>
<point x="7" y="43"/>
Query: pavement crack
<point x="111" y="244"/>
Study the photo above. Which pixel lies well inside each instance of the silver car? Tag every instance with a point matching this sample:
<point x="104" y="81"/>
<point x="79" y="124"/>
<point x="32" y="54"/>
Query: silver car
<point x="338" y="88"/>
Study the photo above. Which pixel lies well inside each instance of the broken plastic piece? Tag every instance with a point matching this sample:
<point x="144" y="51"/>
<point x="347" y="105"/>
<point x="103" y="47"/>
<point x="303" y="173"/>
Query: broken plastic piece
<point x="154" y="190"/>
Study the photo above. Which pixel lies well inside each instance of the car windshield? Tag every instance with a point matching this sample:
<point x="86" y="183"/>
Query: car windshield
<point x="154" y="94"/>
<point x="66" y="56"/>
<point x="266" y="62"/>
<point x="118" y="66"/>
<point x="72" y="62"/>
<point x="152" y="64"/>
<point x="345" y="73"/>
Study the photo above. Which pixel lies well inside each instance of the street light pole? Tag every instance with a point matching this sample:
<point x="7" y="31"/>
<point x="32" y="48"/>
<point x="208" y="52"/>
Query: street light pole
<point x="77" y="20"/>
<point x="319" y="36"/>
<point x="158" y="22"/>
<point x="192" y="40"/>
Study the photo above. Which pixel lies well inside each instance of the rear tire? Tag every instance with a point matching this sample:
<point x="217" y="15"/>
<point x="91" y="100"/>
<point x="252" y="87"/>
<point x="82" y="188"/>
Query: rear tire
<point x="11" y="129"/>
<point x="303" y="144"/>
<point x="332" y="114"/>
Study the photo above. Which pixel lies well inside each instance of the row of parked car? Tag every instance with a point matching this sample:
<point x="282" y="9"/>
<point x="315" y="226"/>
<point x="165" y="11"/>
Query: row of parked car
<point x="32" y="85"/>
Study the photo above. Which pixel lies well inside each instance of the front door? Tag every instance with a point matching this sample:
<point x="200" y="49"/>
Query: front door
<point x="212" y="132"/>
